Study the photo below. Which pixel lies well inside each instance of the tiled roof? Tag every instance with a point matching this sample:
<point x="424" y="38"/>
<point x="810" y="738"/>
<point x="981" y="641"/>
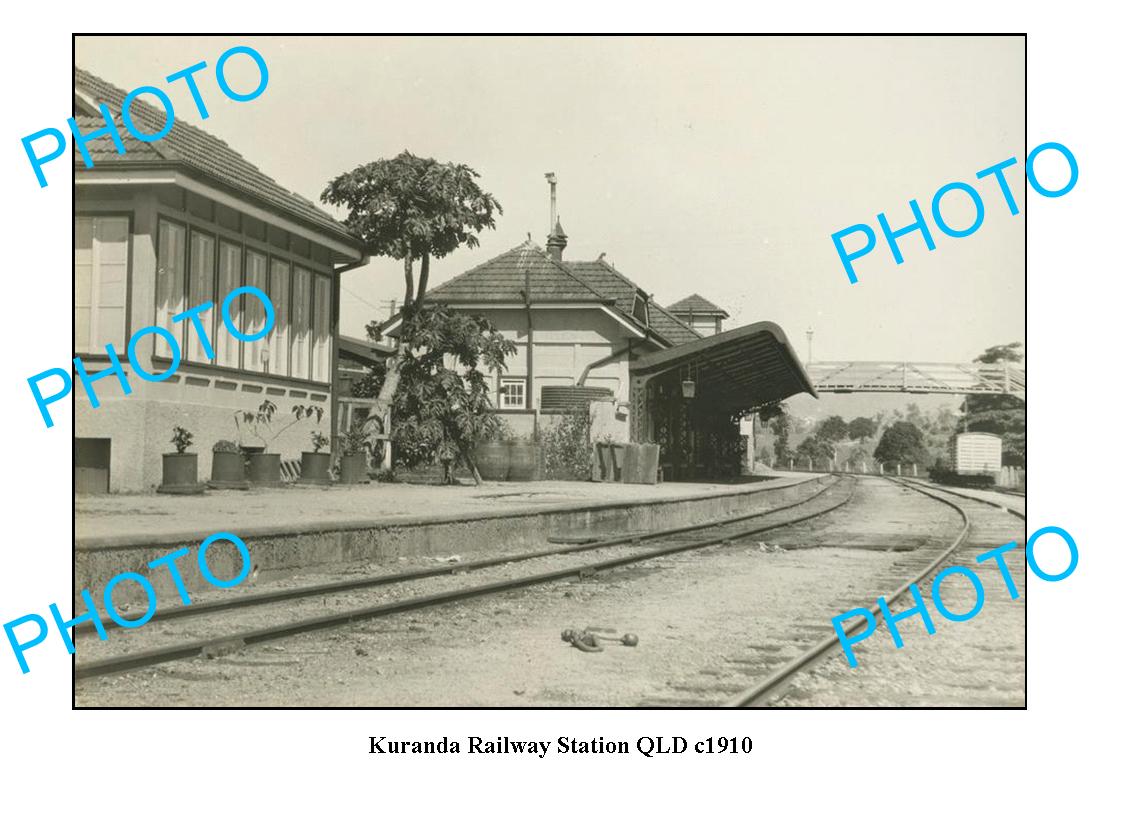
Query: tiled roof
<point x="603" y="277"/>
<point x="194" y="149"/>
<point x="502" y="280"/>
<point x="697" y="304"/>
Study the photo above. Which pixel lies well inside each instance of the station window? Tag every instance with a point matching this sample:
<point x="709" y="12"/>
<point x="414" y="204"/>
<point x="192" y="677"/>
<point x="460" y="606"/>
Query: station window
<point x="512" y="393"/>
<point x="101" y="249"/>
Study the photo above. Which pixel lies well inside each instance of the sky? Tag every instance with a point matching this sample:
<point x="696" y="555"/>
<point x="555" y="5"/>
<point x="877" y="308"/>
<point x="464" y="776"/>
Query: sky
<point x="720" y="166"/>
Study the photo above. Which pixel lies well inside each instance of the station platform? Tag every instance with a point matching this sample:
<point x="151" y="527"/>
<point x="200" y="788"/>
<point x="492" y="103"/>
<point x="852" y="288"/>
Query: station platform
<point x="295" y="527"/>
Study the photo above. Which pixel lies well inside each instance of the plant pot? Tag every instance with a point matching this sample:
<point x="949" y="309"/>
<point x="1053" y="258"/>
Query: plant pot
<point x="181" y="474"/>
<point x="493" y="461"/>
<point x="265" y="469"/>
<point x="353" y="468"/>
<point x="315" y="468"/>
<point x="524" y="462"/>
<point x="228" y="471"/>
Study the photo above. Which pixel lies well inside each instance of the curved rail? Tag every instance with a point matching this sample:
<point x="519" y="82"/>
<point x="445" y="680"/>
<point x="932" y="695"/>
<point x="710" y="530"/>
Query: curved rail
<point x="780" y="678"/>
<point x="219" y="645"/>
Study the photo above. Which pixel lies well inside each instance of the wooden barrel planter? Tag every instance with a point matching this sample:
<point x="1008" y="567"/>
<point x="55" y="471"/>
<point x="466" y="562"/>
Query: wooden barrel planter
<point x="228" y="471"/>
<point x="493" y="461"/>
<point x="315" y="468"/>
<point x="524" y="462"/>
<point x="181" y="474"/>
<point x="265" y="469"/>
<point x="353" y="468"/>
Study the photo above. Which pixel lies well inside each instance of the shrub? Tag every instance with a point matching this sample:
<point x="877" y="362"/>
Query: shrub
<point x="355" y="439"/>
<point x="181" y="438"/>
<point x="566" y="449"/>
<point x="226" y="446"/>
<point x="319" y="441"/>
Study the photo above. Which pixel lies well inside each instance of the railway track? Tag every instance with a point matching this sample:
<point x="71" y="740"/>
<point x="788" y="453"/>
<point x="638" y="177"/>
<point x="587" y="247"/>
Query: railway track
<point x="779" y="681"/>
<point x="659" y="543"/>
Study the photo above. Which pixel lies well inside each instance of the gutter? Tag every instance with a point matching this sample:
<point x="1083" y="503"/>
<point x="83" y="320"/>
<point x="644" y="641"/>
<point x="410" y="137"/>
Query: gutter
<point x="603" y="361"/>
<point x="337" y="276"/>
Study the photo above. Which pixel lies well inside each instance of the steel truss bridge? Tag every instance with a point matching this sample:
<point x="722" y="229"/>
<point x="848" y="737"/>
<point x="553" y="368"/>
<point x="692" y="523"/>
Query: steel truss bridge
<point x="918" y="378"/>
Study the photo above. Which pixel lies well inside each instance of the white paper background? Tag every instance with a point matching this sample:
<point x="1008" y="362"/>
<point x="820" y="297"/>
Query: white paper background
<point x="1056" y="755"/>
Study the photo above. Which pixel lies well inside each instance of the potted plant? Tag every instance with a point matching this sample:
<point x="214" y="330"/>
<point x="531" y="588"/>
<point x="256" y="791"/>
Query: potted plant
<point x="265" y="467"/>
<point x="493" y="456"/>
<point x="228" y="466"/>
<point x="314" y="465"/>
<point x="524" y="460"/>
<point x="354" y="445"/>
<point x="181" y="469"/>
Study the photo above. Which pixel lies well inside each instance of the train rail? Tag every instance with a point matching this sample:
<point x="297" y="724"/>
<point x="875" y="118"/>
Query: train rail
<point x="727" y="530"/>
<point x="779" y="680"/>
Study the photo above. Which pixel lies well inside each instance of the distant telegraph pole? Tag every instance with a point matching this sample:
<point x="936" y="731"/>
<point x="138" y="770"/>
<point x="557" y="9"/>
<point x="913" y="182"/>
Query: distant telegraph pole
<point x="810" y="333"/>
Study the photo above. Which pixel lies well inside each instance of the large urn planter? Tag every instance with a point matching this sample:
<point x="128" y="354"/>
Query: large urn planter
<point x="524" y="462"/>
<point x="265" y="469"/>
<point x="228" y="471"/>
<point x="353" y="468"/>
<point x="610" y="460"/>
<point x="493" y="461"/>
<point x="181" y="474"/>
<point x="315" y="468"/>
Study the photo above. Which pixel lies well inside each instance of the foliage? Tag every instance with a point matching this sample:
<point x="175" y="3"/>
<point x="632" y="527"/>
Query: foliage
<point x="832" y="429"/>
<point x="226" y="446"/>
<point x="902" y="444"/>
<point x="1001" y="414"/>
<point x="408" y="207"/>
<point x="441" y="413"/>
<point x="260" y="423"/>
<point x="861" y="428"/>
<point x="781" y="425"/>
<point x="181" y="438"/>
<point x="816" y="448"/>
<point x="567" y="449"/>
<point x="355" y="439"/>
<point x="319" y="441"/>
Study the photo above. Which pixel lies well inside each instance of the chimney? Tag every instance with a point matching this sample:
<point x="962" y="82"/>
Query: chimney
<point x="556" y="240"/>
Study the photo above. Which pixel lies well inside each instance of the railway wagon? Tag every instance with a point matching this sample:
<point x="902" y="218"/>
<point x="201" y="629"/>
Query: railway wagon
<point x="976" y="460"/>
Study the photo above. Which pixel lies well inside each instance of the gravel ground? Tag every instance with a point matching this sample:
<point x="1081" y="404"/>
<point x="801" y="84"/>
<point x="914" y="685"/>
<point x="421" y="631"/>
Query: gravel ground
<point x="979" y="662"/>
<point x="708" y="622"/>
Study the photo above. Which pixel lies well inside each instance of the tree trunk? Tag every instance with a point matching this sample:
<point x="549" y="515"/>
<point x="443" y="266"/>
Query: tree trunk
<point x="409" y="280"/>
<point x="423" y="279"/>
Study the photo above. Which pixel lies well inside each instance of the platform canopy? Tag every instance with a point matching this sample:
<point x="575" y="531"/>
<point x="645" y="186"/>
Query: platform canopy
<point x="747" y="368"/>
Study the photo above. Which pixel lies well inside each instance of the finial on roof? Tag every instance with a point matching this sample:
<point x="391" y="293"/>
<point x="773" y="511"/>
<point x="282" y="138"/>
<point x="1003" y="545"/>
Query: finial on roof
<point x="601" y="256"/>
<point x="556" y="241"/>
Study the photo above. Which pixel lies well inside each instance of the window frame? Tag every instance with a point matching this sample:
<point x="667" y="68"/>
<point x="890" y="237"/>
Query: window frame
<point x="209" y="315"/>
<point x="246" y="243"/>
<point x="128" y="215"/>
<point x="503" y="406"/>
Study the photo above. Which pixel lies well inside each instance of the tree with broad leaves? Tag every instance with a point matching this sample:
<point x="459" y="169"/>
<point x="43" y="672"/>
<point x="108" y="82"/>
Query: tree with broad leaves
<point x="861" y="428"/>
<point x="441" y="413"/>
<point x="901" y="444"/>
<point x="833" y="429"/>
<point x="409" y="208"/>
<point x="1001" y="414"/>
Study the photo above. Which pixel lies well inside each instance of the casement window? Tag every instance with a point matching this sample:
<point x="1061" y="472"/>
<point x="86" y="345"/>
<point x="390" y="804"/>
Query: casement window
<point x="321" y="330"/>
<point x="278" y="362"/>
<point x="512" y="393"/>
<point x="301" y="322"/>
<point x="254" y="311"/>
<point x="171" y="274"/>
<point x="101" y="264"/>
<point x="200" y="289"/>
<point x="195" y="266"/>
<point x="227" y="347"/>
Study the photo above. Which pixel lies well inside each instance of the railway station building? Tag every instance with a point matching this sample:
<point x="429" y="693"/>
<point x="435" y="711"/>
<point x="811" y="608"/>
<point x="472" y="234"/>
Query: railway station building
<point x="586" y="334"/>
<point x="169" y="225"/>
